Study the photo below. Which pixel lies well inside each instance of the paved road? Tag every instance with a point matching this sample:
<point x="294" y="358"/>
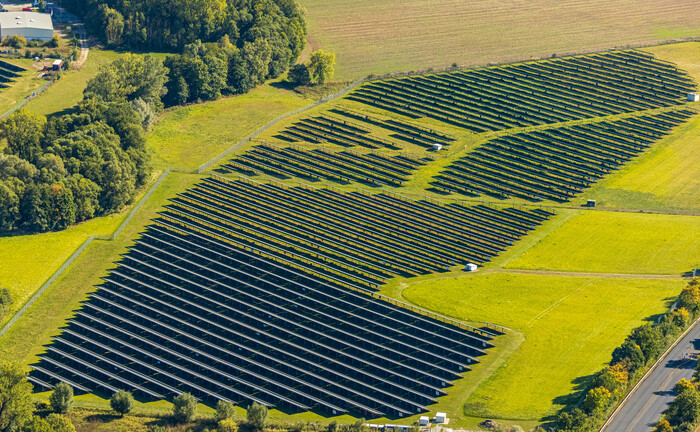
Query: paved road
<point x="644" y="408"/>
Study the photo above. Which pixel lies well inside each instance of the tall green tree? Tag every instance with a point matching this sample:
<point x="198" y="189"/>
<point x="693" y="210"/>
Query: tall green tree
<point x="16" y="405"/>
<point x="257" y="416"/>
<point x="122" y="402"/>
<point x="23" y="131"/>
<point x="322" y="66"/>
<point x="61" y="399"/>
<point x="184" y="407"/>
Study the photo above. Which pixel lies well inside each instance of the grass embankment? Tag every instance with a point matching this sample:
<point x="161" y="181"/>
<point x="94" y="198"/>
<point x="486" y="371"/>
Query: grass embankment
<point x="570" y="327"/>
<point x="186" y="137"/>
<point x="383" y="36"/>
<point x="615" y="242"/>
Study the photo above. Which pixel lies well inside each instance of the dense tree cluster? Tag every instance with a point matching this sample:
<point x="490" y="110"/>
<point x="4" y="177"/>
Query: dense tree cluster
<point x="73" y="167"/>
<point x="223" y="45"/>
<point x="641" y="348"/>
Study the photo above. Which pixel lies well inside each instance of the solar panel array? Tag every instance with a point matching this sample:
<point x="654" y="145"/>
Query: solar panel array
<point x="555" y="164"/>
<point x="534" y="93"/>
<point x="245" y="292"/>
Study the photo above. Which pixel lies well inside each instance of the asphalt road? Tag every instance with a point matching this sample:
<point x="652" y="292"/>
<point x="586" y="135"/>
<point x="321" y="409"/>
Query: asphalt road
<point x="646" y="405"/>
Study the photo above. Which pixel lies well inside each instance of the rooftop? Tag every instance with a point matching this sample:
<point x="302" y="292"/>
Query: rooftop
<point x="25" y="20"/>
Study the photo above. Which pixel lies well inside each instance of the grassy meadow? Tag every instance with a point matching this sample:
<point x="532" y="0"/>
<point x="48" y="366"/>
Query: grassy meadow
<point x="186" y="137"/>
<point x="570" y="327"/>
<point x="618" y="242"/>
<point x="383" y="36"/>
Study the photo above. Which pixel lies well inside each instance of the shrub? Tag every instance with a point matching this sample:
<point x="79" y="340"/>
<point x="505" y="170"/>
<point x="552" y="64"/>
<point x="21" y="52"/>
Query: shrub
<point x="122" y="402"/>
<point x="663" y="426"/>
<point x="690" y="296"/>
<point x="62" y="398"/>
<point x="299" y="75"/>
<point x="16" y="42"/>
<point x="227" y="425"/>
<point x="224" y="410"/>
<point x="184" y="406"/>
<point x="630" y="353"/>
<point x="59" y="423"/>
<point x="53" y="43"/>
<point x="685" y="408"/>
<point x="683" y="386"/>
<point x="333" y="426"/>
<point x="597" y="400"/>
<point x="257" y="416"/>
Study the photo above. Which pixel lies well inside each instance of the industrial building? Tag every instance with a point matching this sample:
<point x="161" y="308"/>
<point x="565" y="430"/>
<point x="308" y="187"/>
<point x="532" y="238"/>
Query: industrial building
<point x="29" y="25"/>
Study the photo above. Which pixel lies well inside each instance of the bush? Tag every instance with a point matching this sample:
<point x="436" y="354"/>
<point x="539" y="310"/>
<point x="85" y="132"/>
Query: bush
<point x="184" y="406"/>
<point x="16" y="42"/>
<point x="299" y="75"/>
<point x="333" y="426"/>
<point x="62" y="398"/>
<point x="59" y="423"/>
<point x="224" y="410"/>
<point x="122" y="402"/>
<point x="683" y="386"/>
<point x="53" y="43"/>
<point x="227" y="425"/>
<point x="257" y="416"/>
<point x="597" y="400"/>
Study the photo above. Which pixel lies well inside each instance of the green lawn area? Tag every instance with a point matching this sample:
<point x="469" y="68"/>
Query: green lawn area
<point x="186" y="137"/>
<point x="615" y="242"/>
<point x="570" y="324"/>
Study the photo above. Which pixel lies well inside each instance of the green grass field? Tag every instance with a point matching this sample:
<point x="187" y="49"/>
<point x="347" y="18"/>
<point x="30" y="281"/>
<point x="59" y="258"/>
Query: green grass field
<point x="186" y="137"/>
<point x="570" y="326"/>
<point x="615" y="242"/>
<point x="383" y="36"/>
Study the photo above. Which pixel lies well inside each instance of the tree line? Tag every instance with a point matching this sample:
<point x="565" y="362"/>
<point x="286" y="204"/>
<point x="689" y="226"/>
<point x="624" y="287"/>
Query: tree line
<point x="221" y="45"/>
<point x="629" y="362"/>
<point x="19" y="413"/>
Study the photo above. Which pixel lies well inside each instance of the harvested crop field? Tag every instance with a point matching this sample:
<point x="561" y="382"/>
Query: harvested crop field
<point x="379" y="36"/>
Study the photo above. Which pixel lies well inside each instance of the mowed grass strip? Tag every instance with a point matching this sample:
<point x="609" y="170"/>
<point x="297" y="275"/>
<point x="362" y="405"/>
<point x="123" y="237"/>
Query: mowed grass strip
<point x="383" y="36"/>
<point x="186" y="137"/>
<point x="571" y="326"/>
<point x="618" y="242"/>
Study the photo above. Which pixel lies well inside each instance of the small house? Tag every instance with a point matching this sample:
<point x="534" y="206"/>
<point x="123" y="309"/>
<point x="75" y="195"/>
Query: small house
<point x="423" y="421"/>
<point x="590" y="203"/>
<point x="693" y="97"/>
<point x="57" y="65"/>
<point x="437" y="147"/>
<point x="440" y="417"/>
<point x="471" y="267"/>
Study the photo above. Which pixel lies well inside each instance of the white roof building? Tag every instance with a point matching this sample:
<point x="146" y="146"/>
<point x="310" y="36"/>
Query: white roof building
<point x="29" y="25"/>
